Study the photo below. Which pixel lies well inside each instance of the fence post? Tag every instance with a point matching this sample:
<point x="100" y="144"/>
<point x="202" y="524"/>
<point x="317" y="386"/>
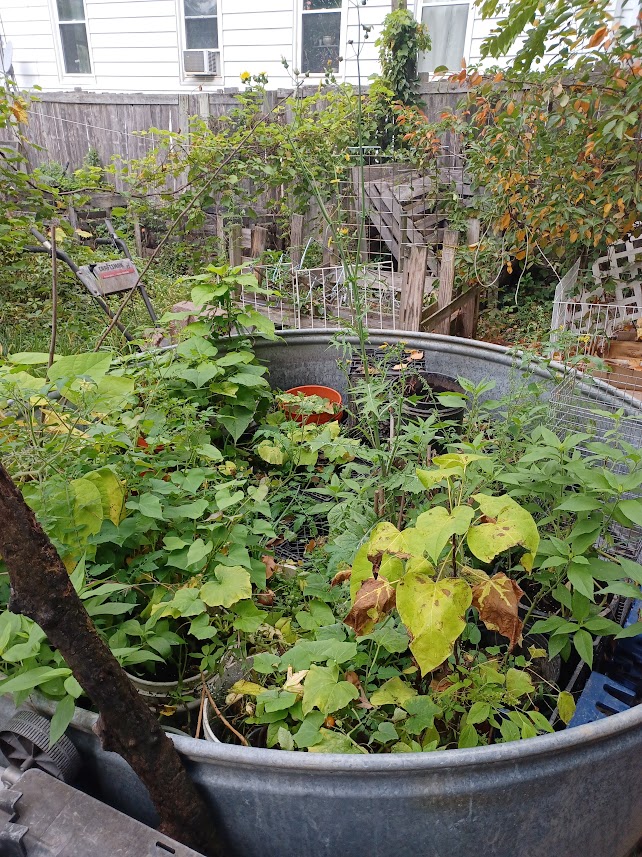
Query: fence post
<point x="296" y="238"/>
<point x="257" y="247"/>
<point x="259" y="241"/>
<point x="403" y="243"/>
<point x="472" y="231"/>
<point x="412" y="294"/>
<point x="236" y="245"/>
<point x="138" y="235"/>
<point x="220" y="229"/>
<point x="470" y="316"/>
<point x="447" y="275"/>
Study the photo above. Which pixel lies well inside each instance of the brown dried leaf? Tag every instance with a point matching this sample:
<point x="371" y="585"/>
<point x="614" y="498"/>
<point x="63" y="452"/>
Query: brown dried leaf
<point x="340" y="576"/>
<point x="416" y="355"/>
<point x="266" y="599"/>
<point x="270" y="564"/>
<point x="497" y="600"/>
<point x="310" y="545"/>
<point x="364" y="702"/>
<point x="373" y="601"/>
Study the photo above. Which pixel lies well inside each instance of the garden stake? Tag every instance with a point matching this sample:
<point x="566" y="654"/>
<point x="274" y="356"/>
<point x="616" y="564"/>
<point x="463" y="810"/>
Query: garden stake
<point x="54" y="294"/>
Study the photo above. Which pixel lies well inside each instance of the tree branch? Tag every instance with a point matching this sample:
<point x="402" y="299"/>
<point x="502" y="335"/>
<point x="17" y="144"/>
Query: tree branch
<point x="41" y="589"/>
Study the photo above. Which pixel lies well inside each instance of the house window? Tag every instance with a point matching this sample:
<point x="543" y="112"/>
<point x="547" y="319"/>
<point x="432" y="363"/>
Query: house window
<point x="320" y="36"/>
<point x="201" y="25"/>
<point x="447" y="24"/>
<point x="73" y="36"/>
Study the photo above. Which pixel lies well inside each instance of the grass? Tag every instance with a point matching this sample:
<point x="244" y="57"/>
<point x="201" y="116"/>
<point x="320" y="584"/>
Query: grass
<point x="26" y="305"/>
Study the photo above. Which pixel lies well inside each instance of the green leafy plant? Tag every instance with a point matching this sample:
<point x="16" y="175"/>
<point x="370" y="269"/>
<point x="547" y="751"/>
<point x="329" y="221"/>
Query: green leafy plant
<point x="305" y="405"/>
<point x="401" y="41"/>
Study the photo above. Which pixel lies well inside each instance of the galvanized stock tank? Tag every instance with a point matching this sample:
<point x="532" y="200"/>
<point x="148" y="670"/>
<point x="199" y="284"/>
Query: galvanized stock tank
<point x="576" y="793"/>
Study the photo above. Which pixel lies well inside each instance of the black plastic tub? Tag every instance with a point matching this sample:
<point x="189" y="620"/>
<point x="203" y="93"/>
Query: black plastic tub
<point x="421" y="391"/>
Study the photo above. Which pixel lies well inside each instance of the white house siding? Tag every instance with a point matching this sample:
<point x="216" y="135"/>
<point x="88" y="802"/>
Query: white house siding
<point x="27" y="25"/>
<point x="256" y="34"/>
<point x="135" y="45"/>
<point x="372" y="14"/>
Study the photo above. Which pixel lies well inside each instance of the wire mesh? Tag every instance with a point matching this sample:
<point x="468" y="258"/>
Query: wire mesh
<point x="322" y="298"/>
<point x="600" y="341"/>
<point x="378" y="211"/>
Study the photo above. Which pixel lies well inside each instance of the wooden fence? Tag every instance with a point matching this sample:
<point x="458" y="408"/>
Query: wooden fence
<point x="63" y="126"/>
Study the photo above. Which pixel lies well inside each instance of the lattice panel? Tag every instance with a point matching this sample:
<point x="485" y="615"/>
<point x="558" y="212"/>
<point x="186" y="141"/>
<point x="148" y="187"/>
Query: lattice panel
<point x="622" y="266"/>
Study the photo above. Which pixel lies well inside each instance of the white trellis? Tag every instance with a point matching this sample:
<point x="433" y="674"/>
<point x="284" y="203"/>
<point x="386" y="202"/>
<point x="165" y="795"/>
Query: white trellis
<point x="613" y="302"/>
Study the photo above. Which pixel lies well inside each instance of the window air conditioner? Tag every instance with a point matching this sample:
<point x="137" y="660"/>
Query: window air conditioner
<point x="207" y="63"/>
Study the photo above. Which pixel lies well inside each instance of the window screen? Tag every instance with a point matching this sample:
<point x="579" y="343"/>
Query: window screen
<point x="201" y="24"/>
<point x="321" y="35"/>
<point x="73" y="36"/>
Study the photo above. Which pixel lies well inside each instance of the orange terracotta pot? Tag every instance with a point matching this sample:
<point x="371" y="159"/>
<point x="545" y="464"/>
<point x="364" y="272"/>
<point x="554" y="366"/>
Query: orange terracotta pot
<point x="315" y="419"/>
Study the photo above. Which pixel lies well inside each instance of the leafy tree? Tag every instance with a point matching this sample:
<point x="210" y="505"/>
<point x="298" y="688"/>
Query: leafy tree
<point x="556" y="150"/>
<point x="23" y="197"/>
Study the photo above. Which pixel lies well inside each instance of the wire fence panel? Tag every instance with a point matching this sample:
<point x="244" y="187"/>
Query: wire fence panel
<point x="323" y="298"/>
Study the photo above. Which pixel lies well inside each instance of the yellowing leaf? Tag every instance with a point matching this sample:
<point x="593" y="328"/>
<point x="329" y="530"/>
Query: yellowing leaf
<point x="508" y="526"/>
<point x="271" y="453"/>
<point x="433" y="612"/>
<point x="335" y="742"/>
<point x="395" y="691"/>
<point x="518" y="682"/>
<point x="112" y="493"/>
<point x="430" y="478"/>
<point x="386" y="539"/>
<point x="247" y="688"/>
<point x="232" y="584"/>
<point x="437" y="526"/>
<point x="391" y="568"/>
<point x="566" y="707"/>
<point x="510" y="109"/>
<point x="323" y="690"/>
<point x="87" y="507"/>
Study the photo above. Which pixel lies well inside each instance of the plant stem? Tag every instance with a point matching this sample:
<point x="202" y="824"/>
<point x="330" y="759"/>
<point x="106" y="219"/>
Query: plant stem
<point x="54" y="294"/>
<point x="220" y="716"/>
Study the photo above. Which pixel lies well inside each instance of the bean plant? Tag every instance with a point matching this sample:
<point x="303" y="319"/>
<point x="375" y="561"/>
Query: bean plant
<point x="381" y="583"/>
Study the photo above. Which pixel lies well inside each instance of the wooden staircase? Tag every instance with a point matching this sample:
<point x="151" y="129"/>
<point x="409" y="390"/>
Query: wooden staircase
<point x="403" y="204"/>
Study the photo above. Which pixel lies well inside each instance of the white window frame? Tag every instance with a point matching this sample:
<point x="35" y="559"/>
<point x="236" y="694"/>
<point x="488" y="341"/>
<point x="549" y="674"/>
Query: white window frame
<point x="182" y="30"/>
<point x="420" y="5"/>
<point x="299" y="12"/>
<point x="63" y="75"/>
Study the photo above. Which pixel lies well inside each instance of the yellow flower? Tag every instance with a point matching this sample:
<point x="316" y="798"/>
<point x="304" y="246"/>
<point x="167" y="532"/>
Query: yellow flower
<point x="245" y="76"/>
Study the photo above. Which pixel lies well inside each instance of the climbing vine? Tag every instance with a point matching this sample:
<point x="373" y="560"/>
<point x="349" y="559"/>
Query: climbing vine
<point x="401" y="41"/>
